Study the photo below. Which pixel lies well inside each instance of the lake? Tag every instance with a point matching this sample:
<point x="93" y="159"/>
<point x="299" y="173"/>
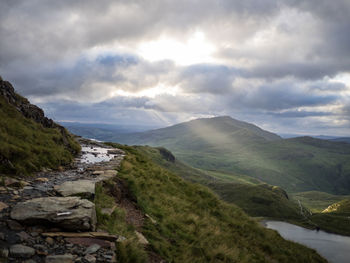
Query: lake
<point x="334" y="248"/>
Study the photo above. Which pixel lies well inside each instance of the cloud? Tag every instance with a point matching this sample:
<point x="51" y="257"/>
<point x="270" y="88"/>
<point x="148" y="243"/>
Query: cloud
<point x="273" y="59"/>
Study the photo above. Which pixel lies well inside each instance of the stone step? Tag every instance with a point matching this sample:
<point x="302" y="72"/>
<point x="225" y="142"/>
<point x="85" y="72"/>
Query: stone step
<point x="70" y="213"/>
<point x="99" y="235"/>
<point x="83" y="188"/>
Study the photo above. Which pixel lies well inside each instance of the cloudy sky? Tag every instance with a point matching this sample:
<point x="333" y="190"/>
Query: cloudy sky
<point x="283" y="65"/>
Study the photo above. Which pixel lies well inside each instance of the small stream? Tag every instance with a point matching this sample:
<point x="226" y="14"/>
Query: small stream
<point x="334" y="248"/>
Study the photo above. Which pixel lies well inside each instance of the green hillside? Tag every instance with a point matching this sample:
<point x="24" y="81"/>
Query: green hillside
<point x="342" y="207"/>
<point x="225" y="145"/>
<point x="190" y="224"/>
<point x="255" y="198"/>
<point x="30" y="141"/>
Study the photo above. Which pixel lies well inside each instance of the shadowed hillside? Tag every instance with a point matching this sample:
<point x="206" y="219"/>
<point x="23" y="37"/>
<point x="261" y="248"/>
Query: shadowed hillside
<point x="29" y="140"/>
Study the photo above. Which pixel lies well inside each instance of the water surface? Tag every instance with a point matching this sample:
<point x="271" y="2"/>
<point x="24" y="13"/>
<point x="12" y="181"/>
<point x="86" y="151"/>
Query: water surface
<point x="334" y="248"/>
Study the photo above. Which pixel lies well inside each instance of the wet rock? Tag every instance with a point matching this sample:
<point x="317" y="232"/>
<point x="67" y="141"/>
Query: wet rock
<point x="66" y="258"/>
<point x="20" y="251"/>
<point x="84" y="188"/>
<point x="3" y="206"/>
<point x="71" y="213"/>
<point x="92" y="249"/>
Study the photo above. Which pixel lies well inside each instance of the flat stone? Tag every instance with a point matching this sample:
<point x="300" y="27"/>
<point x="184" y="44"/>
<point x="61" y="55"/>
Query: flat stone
<point x="141" y="238"/>
<point x="99" y="235"/>
<point x="20" y="251"/>
<point x="84" y="188"/>
<point x="71" y="213"/>
<point x="3" y="206"/>
<point x="66" y="258"/>
<point x="92" y="249"/>
<point x="2" y="189"/>
<point x="86" y="241"/>
<point x="98" y="172"/>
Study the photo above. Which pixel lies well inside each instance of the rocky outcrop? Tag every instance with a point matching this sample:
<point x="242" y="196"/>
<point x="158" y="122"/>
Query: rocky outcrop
<point x="71" y="213"/>
<point x="29" y="110"/>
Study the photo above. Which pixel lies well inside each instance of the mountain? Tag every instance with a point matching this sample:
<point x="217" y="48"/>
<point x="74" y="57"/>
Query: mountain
<point x="223" y="144"/>
<point x="29" y="140"/>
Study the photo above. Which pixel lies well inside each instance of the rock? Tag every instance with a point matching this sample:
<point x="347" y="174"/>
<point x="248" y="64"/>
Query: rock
<point x="121" y="239"/>
<point x="108" y="211"/>
<point x="90" y="258"/>
<point x="115" y="151"/>
<point x="92" y="249"/>
<point x="3" y="206"/>
<point x="86" y="242"/>
<point x="13" y="225"/>
<point x="23" y="236"/>
<point x="29" y="261"/>
<point x="71" y="213"/>
<point x="141" y="238"/>
<point x="20" y="251"/>
<point x="66" y="258"/>
<point x="151" y="219"/>
<point x="97" y="172"/>
<point x="2" y="189"/>
<point x="84" y="188"/>
<point x="11" y="182"/>
<point x="41" y="179"/>
<point x="2" y="236"/>
<point x="15" y="192"/>
<point x="28" y="188"/>
<point x="99" y="235"/>
<point x="50" y="240"/>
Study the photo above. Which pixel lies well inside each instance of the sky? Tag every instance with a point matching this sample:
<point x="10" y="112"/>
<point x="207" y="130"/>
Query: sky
<point x="282" y="65"/>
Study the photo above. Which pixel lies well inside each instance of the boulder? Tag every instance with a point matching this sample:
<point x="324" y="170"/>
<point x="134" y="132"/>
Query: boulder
<point x="20" y="251"/>
<point x="84" y="188"/>
<point x="71" y="213"/>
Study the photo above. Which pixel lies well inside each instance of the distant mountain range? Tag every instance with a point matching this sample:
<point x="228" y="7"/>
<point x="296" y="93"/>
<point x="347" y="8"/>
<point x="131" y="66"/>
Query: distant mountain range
<point x="230" y="146"/>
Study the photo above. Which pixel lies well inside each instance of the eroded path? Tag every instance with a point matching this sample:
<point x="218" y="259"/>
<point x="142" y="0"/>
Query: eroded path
<point x="51" y="217"/>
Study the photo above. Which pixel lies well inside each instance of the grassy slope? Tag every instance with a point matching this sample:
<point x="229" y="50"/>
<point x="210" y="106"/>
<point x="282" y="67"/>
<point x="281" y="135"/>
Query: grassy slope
<point x="28" y="145"/>
<point x="317" y="201"/>
<point x="252" y="196"/>
<point x="195" y="226"/>
<point x="298" y="164"/>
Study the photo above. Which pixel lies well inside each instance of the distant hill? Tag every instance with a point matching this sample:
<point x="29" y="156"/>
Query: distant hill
<point x="342" y="139"/>
<point x="232" y="146"/>
<point x="29" y="140"/>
